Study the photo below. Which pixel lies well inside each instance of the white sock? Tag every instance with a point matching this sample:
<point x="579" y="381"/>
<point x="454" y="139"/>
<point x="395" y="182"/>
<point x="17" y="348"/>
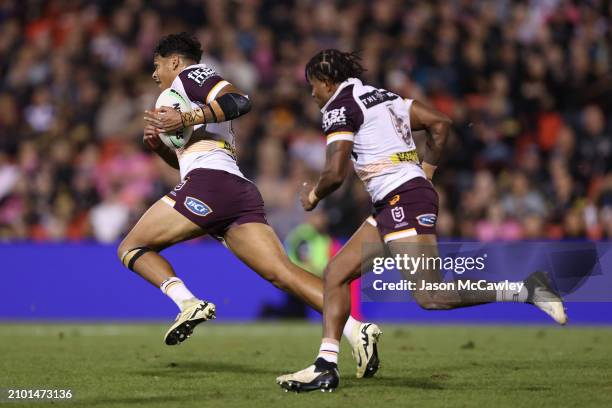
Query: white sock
<point x="329" y="350"/>
<point x="176" y="290"/>
<point x="512" y="295"/>
<point x="349" y="330"/>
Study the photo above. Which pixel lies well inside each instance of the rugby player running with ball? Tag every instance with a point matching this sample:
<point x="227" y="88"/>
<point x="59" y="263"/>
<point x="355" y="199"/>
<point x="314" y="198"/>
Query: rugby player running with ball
<point x="373" y="128"/>
<point x="213" y="196"/>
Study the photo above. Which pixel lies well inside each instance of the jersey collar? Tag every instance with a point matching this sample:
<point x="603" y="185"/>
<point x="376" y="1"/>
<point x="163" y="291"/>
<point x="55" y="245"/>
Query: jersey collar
<point x="194" y="66"/>
<point x="350" y="81"/>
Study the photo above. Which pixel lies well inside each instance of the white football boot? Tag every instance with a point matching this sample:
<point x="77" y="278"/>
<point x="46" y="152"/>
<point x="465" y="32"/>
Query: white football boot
<point x="200" y="311"/>
<point x="319" y="376"/>
<point x="542" y="295"/>
<point x="365" y="350"/>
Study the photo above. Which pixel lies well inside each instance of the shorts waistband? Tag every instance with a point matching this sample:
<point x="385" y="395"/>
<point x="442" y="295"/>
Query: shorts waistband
<point x="412" y="184"/>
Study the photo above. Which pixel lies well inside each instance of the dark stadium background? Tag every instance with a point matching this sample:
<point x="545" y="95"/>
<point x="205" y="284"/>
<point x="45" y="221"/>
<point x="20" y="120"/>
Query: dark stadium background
<point x="528" y="85"/>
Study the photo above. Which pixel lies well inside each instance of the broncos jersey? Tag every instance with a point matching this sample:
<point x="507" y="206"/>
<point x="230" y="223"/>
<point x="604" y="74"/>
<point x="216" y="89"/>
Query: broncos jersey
<point x="212" y="146"/>
<point x="378" y="123"/>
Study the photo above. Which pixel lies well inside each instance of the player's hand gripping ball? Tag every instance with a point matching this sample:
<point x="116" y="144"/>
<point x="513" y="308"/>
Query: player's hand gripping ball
<point x="151" y="137"/>
<point x="167" y="118"/>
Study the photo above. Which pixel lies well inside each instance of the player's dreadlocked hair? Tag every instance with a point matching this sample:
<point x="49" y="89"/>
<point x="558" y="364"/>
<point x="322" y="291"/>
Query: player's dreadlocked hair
<point x="183" y="44"/>
<point x="335" y="66"/>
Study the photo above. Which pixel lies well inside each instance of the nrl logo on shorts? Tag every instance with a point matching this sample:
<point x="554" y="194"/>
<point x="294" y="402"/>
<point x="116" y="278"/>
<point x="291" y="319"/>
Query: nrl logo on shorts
<point x="397" y="213"/>
<point x="427" y="220"/>
<point x="197" y="207"/>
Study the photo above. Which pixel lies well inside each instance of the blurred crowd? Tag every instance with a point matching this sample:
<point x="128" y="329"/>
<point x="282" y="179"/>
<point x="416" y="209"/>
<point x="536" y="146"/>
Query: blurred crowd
<point x="528" y="85"/>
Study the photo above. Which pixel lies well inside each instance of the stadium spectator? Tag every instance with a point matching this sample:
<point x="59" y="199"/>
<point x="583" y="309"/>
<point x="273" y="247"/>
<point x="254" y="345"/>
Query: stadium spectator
<point x="526" y="83"/>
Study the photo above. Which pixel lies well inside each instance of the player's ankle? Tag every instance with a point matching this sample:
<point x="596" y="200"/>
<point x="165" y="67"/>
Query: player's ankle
<point x="189" y="302"/>
<point x="321" y="364"/>
<point x="176" y="290"/>
<point x="517" y="293"/>
<point x="329" y="350"/>
<point x="351" y="331"/>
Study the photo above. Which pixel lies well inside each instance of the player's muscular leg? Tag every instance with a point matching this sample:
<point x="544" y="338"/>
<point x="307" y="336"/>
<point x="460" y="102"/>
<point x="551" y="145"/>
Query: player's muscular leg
<point x="258" y="247"/>
<point x="344" y="268"/>
<point x="426" y="245"/>
<point x="160" y="227"/>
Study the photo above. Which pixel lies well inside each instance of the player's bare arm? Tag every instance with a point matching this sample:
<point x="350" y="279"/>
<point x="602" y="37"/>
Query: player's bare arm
<point x="437" y="126"/>
<point x="152" y="141"/>
<point x="337" y="163"/>
<point x="230" y="103"/>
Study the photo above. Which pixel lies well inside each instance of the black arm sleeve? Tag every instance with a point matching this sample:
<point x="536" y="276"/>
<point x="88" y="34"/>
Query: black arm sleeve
<point x="234" y="105"/>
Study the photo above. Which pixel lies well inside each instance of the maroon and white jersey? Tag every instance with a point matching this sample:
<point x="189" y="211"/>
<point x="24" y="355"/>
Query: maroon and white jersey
<point x="378" y="123"/>
<point x="214" y="148"/>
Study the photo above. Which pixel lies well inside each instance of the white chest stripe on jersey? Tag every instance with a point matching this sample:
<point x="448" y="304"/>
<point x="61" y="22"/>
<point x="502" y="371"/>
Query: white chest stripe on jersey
<point x="207" y="146"/>
<point x="385" y="166"/>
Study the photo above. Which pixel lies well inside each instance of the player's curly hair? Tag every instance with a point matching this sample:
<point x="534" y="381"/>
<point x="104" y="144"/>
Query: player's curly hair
<point x="184" y="44"/>
<point x="335" y="66"/>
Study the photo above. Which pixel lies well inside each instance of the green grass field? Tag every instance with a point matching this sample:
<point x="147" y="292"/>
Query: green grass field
<point x="235" y="366"/>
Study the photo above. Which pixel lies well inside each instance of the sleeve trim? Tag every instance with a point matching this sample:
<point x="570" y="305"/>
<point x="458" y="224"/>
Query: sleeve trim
<point x="215" y="90"/>
<point x="337" y="136"/>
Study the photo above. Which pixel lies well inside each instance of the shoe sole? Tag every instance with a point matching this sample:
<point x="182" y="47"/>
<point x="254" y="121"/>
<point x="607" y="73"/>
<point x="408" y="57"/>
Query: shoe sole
<point x="374" y="363"/>
<point x="183" y="331"/>
<point x="298" y="387"/>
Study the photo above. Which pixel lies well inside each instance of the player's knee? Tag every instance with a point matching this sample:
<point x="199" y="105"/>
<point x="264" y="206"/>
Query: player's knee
<point x="121" y="249"/>
<point x="279" y="280"/>
<point x="124" y="247"/>
<point x="129" y="253"/>
<point x="428" y="302"/>
<point x="334" y="276"/>
<point x="278" y="277"/>
<point x="429" y="305"/>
